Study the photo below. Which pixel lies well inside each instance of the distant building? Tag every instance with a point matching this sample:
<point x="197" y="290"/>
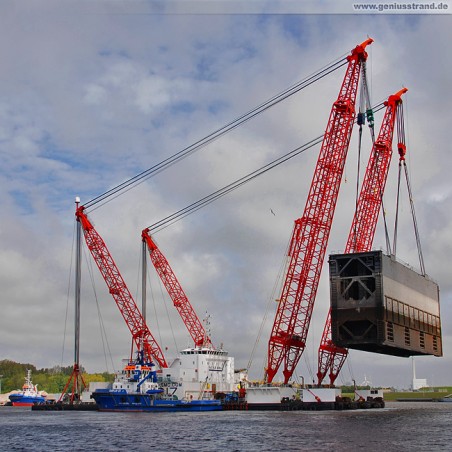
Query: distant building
<point x="418" y="383"/>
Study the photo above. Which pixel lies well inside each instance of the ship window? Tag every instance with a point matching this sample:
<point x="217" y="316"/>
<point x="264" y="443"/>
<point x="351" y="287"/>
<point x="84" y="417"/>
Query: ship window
<point x="390" y="331"/>
<point x="407" y="336"/>
<point x="421" y="339"/>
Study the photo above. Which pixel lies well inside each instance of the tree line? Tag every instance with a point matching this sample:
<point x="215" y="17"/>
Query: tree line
<point x="52" y="380"/>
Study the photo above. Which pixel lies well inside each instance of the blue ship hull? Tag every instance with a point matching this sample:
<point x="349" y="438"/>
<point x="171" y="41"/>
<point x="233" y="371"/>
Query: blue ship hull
<point x="24" y="400"/>
<point x="111" y="400"/>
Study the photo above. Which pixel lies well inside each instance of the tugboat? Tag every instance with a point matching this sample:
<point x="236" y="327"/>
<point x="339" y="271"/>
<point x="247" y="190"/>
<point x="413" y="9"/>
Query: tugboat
<point x="29" y="395"/>
<point x="136" y="388"/>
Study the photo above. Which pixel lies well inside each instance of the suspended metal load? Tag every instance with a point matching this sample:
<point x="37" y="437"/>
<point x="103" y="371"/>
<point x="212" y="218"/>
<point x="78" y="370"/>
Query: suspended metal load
<point x="362" y="231"/>
<point x="382" y="306"/>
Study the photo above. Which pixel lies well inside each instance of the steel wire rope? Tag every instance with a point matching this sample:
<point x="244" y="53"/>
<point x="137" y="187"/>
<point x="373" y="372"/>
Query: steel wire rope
<point x="271" y="298"/>
<point x="228" y="188"/>
<point x="156" y="317"/>
<point x="103" y="331"/>
<point x="350" y="367"/>
<point x="68" y="291"/>
<point x="164" y="164"/>
<point x="309" y="368"/>
<point x="401" y="126"/>
<point x="413" y="214"/>
<point x="365" y="110"/>
<point x="401" y="138"/>
<point x="167" y="301"/>
<point x="191" y="208"/>
<point x="169" y="220"/>
<point x="162" y="294"/>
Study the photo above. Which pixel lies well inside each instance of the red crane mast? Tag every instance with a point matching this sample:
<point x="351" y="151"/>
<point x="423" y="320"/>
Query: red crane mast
<point x="177" y="294"/>
<point x="330" y="357"/>
<point x="311" y="231"/>
<point x="117" y="287"/>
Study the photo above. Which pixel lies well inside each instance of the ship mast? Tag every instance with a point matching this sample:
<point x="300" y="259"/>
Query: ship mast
<point x="76" y="378"/>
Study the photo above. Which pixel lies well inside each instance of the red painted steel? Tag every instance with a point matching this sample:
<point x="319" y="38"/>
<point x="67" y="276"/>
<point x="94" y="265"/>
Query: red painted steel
<point x="311" y="231"/>
<point x="362" y="232"/>
<point x="141" y="334"/>
<point x="177" y="294"/>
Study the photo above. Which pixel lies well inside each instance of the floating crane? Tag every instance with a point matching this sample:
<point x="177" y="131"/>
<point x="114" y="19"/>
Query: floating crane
<point x="310" y="234"/>
<point x="141" y="335"/>
<point x="177" y="294"/>
<point x="331" y="358"/>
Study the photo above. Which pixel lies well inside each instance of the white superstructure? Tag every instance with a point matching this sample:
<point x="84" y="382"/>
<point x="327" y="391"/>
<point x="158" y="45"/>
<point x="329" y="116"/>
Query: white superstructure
<point x="201" y="372"/>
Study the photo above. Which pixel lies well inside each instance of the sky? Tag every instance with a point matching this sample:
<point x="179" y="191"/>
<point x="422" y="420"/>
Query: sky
<point x="93" y="93"/>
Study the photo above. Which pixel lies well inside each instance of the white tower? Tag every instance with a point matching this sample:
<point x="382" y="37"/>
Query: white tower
<point x="418" y="383"/>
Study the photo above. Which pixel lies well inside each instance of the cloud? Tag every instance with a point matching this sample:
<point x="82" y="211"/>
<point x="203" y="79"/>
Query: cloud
<point x="88" y="103"/>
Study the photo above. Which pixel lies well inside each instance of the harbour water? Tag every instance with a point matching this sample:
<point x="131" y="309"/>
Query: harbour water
<point x="413" y="426"/>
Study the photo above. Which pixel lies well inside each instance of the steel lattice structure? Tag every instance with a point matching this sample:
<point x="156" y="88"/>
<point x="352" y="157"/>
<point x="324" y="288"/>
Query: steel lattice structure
<point x="141" y="335"/>
<point x="360" y="239"/>
<point x="310" y="234"/>
<point x="177" y="294"/>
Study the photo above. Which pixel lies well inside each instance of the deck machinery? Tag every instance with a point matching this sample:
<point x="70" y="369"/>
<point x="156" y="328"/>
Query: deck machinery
<point x="380" y="305"/>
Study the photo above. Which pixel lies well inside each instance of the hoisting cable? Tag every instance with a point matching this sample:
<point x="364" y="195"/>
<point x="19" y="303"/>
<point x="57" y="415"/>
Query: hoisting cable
<point x="396" y="220"/>
<point x="164" y="297"/>
<point x="164" y="164"/>
<point x="103" y="331"/>
<point x="67" y="296"/>
<point x="386" y="229"/>
<point x="267" y="309"/>
<point x="402" y="162"/>
<point x="170" y="219"/>
<point x="401" y="147"/>
<point x="165" y="222"/>
<point x="364" y="106"/>
<point x="416" y="231"/>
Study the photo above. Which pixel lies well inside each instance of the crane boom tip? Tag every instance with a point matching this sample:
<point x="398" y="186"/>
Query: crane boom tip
<point x="367" y="42"/>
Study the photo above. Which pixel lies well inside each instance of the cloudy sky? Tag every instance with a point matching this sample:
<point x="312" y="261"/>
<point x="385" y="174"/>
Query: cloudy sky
<point x="93" y="93"/>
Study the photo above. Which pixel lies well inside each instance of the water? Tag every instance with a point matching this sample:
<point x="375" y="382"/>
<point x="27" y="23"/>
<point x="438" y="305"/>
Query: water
<point x="413" y="426"/>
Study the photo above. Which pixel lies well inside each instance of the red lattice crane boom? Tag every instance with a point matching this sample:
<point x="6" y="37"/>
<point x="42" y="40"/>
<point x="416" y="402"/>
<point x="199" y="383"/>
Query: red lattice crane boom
<point x="330" y="357"/>
<point x="311" y="231"/>
<point x="177" y="294"/>
<point x="117" y="287"/>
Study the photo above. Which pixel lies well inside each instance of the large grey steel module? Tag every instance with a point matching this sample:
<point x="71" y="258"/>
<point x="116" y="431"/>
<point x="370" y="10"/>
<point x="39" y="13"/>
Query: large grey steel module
<point x="382" y="306"/>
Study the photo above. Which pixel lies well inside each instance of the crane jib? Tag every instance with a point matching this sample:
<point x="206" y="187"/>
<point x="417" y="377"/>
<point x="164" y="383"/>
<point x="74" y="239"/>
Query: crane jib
<point x="321" y="198"/>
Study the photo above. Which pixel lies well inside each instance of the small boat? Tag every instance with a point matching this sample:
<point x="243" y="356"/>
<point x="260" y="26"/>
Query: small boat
<point x="447" y="398"/>
<point x="136" y="388"/>
<point x="29" y="395"/>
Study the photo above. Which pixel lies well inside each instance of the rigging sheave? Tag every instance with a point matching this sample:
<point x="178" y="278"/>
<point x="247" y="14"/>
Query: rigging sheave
<point x="310" y="234"/>
<point x="360" y="239"/>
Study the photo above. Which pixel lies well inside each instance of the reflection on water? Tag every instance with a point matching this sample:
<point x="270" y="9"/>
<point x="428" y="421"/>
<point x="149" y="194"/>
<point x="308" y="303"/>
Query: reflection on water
<point x="401" y="426"/>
